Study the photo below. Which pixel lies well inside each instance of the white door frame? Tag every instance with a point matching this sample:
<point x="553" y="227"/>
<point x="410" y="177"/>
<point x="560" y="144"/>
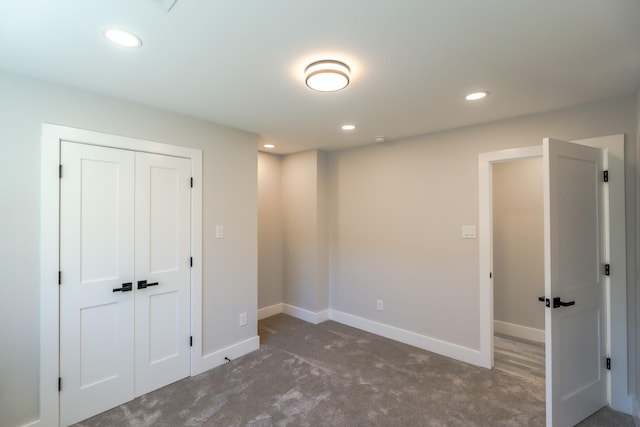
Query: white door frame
<point x="616" y="294"/>
<point x="50" y="249"/>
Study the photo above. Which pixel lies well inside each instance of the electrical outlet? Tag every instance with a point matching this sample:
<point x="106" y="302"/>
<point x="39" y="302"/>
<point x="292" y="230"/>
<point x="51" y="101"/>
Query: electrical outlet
<point x="379" y="305"/>
<point x="219" y="231"/>
<point x="243" y="319"/>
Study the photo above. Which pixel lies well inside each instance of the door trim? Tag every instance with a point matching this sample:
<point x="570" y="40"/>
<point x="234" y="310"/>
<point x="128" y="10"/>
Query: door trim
<point x="616" y="295"/>
<point x="50" y="249"/>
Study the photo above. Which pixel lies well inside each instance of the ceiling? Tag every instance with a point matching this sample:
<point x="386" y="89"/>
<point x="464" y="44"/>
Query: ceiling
<point x="241" y="62"/>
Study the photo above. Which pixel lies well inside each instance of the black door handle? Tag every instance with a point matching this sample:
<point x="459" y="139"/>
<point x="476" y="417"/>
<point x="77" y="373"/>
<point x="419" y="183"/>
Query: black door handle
<point x="126" y="287"/>
<point x="546" y="301"/>
<point x="142" y="284"/>
<point x="557" y="303"/>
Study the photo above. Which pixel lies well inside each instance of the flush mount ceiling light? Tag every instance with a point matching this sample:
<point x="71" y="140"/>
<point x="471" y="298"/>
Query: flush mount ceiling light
<point x="269" y="146"/>
<point x="122" y="38"/>
<point x="476" y="96"/>
<point x="348" y="127"/>
<point x="327" y="75"/>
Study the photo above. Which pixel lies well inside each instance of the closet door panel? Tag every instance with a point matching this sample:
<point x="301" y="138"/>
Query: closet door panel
<point x="163" y="228"/>
<point x="96" y="258"/>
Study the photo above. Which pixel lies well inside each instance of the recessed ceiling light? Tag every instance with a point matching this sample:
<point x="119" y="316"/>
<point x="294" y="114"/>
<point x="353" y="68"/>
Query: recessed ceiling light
<point x="327" y="75"/>
<point x="476" y="96"/>
<point x="123" y="38"/>
<point x="348" y="127"/>
<point x="269" y="146"/>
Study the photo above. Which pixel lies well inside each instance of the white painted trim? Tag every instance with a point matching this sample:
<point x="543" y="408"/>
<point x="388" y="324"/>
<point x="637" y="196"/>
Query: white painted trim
<point x="49" y="265"/>
<point x="272" y="310"/>
<point x="51" y="135"/>
<point x="306" y="315"/>
<point x="518" y="331"/>
<point x="217" y="358"/>
<point x="32" y="424"/>
<point x="616" y="323"/>
<point x="424" y="342"/>
<point x="636" y="411"/>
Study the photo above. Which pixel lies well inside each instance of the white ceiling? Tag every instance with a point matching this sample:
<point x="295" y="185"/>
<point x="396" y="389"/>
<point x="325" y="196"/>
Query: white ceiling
<point x="241" y="62"/>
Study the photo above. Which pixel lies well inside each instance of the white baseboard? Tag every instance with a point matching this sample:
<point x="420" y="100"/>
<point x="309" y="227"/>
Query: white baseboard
<point x="424" y="342"/>
<point x="272" y="310"/>
<point x="32" y="424"/>
<point x="636" y="411"/>
<point x="217" y="358"/>
<point x="306" y="315"/>
<point x="518" y="331"/>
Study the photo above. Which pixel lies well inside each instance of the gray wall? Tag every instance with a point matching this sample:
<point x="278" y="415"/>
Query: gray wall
<point x="518" y="242"/>
<point x="229" y="198"/>
<point x="270" y="281"/>
<point x="305" y="215"/>
<point x="397" y="211"/>
<point x="634" y="292"/>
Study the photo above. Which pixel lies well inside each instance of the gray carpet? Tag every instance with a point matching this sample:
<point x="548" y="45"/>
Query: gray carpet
<point x="334" y="375"/>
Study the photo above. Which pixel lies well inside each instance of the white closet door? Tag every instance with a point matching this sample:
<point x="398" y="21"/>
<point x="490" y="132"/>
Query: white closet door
<point x="96" y="259"/>
<point x="162" y="308"/>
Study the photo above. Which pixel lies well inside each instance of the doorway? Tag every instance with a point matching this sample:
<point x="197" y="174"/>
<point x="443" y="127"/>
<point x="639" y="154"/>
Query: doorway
<point x="615" y="289"/>
<point x="518" y="270"/>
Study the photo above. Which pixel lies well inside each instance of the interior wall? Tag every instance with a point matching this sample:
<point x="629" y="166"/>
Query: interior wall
<point x="305" y="225"/>
<point x="229" y="199"/>
<point x="634" y="294"/>
<point x="518" y="243"/>
<point x="269" y="230"/>
<point x="398" y="208"/>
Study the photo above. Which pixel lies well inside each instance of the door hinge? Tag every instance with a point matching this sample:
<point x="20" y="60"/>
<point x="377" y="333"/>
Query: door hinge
<point x="605" y="176"/>
<point x="608" y="363"/>
<point x="607" y="270"/>
<point x="59" y="383"/>
<point x="191" y="262"/>
<point x="59" y="277"/>
<point x="191" y="341"/>
<point x="490" y="275"/>
<point x="191" y="182"/>
<point x="60" y="171"/>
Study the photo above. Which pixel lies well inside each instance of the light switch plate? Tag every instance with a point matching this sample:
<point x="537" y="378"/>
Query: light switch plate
<point x="468" y="231"/>
<point x="219" y="231"/>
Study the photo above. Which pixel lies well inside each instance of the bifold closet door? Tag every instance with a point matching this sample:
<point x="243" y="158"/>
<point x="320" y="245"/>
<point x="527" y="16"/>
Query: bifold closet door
<point x="124" y="260"/>
<point x="96" y="263"/>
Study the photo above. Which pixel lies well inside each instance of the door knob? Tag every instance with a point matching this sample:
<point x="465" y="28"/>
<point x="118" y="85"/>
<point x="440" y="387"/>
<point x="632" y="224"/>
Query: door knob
<point x="126" y="287"/>
<point x="557" y="303"/>
<point x="142" y="284"/>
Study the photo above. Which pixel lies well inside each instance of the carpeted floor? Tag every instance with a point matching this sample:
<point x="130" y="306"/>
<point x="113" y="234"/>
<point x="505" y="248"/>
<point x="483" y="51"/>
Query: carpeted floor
<point x="334" y="375"/>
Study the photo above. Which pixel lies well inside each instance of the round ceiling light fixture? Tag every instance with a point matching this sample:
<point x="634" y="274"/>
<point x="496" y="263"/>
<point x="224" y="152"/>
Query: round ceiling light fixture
<point x="476" y="96"/>
<point x="327" y="75"/>
<point x="348" y="127"/>
<point x="269" y="146"/>
<point x="123" y="38"/>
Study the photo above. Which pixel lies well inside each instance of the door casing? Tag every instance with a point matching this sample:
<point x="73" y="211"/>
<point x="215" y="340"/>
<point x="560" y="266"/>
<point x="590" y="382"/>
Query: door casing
<point x="50" y="252"/>
<point x="616" y="294"/>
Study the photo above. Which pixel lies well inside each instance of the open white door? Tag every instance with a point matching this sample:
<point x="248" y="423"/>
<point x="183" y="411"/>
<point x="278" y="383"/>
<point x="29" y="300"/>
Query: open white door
<point x="574" y="288"/>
